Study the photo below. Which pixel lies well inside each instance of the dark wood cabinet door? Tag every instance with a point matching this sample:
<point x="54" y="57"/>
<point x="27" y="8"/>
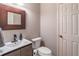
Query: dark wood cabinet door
<point x="26" y="51"/>
<point x="14" y="53"/>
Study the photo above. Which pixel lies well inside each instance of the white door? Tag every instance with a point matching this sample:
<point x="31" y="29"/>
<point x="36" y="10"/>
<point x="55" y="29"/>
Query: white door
<point x="68" y="29"/>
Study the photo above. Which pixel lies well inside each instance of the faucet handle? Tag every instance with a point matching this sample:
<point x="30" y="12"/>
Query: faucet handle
<point x="20" y="37"/>
<point x="15" y="37"/>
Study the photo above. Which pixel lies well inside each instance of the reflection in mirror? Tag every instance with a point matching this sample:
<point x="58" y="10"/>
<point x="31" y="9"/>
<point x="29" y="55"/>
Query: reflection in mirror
<point x="14" y="18"/>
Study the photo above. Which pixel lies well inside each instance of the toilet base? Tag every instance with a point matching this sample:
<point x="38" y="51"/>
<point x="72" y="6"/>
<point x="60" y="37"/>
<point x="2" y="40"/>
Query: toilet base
<point x="35" y="53"/>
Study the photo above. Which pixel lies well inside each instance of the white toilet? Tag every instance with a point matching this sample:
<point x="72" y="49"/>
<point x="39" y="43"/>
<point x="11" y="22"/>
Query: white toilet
<point x="40" y="51"/>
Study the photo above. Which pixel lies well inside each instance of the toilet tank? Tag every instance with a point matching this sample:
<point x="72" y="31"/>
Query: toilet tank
<point x="36" y="42"/>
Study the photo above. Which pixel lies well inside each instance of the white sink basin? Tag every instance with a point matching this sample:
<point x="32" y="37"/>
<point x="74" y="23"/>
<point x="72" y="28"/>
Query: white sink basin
<point x="13" y="44"/>
<point x="16" y="44"/>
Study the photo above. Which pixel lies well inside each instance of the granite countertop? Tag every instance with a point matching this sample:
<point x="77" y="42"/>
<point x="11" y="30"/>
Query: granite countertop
<point x="7" y="48"/>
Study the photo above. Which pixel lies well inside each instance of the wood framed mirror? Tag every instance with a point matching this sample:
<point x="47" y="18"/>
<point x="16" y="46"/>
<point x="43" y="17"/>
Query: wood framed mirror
<point x="12" y="18"/>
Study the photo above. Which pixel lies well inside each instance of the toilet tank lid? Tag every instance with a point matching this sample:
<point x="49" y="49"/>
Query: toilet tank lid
<point x="36" y="39"/>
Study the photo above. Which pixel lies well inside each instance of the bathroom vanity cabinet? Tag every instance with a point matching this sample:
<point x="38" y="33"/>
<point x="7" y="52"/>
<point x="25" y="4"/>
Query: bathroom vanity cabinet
<point x="23" y="51"/>
<point x="26" y="51"/>
<point x="13" y="53"/>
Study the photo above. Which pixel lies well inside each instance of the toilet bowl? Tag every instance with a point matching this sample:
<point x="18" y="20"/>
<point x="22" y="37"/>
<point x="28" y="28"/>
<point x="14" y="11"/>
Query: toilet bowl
<point x="44" y="51"/>
<point x="40" y="51"/>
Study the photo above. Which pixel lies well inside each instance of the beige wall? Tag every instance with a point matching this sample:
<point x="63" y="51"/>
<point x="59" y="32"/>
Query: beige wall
<point x="32" y="24"/>
<point x="49" y="25"/>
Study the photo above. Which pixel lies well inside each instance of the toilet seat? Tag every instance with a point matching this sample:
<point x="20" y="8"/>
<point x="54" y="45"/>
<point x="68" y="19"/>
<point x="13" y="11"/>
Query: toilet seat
<point x="44" y="51"/>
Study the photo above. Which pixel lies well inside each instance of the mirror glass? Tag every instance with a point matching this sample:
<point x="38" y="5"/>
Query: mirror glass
<point x="14" y="18"/>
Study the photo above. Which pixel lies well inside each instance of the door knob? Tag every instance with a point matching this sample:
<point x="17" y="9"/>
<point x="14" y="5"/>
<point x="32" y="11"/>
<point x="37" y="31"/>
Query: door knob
<point x="60" y="36"/>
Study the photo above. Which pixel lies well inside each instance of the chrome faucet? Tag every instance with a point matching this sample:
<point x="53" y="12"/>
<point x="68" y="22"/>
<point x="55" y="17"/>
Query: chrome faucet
<point x="15" y="38"/>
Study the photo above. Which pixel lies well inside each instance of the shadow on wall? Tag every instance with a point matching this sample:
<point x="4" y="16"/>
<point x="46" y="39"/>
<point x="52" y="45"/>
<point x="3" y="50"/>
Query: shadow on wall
<point x="42" y="43"/>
